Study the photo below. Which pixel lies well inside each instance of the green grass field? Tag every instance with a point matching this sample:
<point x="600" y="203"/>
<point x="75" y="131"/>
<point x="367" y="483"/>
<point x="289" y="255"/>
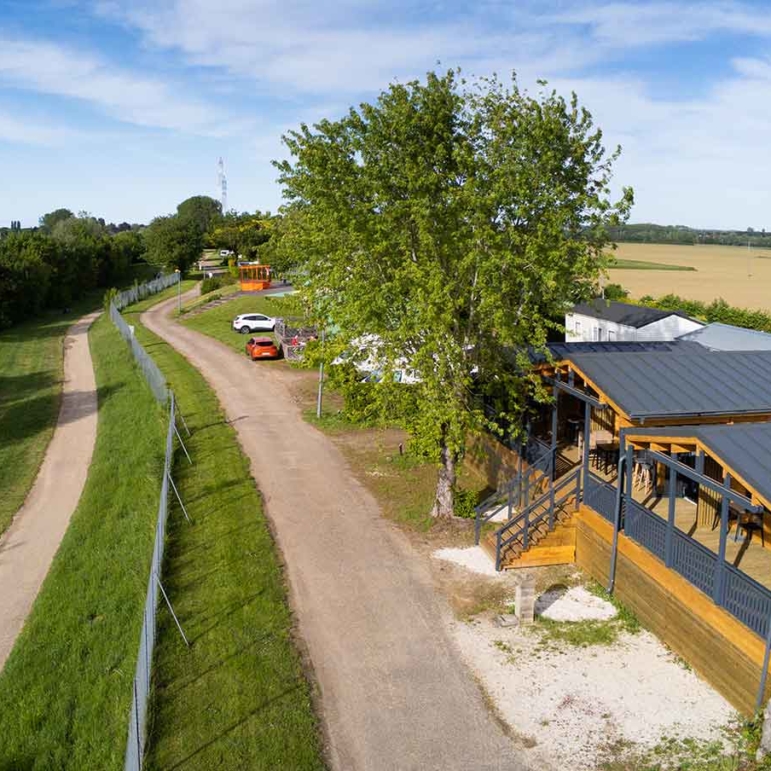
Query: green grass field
<point x="65" y="691"/>
<point x="31" y="372"/>
<point x="238" y="697"/>
<point x="621" y="264"/>
<point x="217" y="322"/>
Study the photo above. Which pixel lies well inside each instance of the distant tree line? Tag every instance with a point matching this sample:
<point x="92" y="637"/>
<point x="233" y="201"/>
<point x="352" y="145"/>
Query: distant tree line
<point x="648" y="233"/>
<point x="67" y="255"/>
<point x="55" y="264"/>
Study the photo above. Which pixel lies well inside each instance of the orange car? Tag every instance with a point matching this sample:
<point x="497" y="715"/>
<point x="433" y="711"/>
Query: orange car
<point x="261" y="348"/>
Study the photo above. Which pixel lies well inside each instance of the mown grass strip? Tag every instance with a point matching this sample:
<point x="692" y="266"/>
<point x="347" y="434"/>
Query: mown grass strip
<point x="65" y="691"/>
<point x="237" y="698"/>
<point x="31" y="372"/>
<point x="621" y="264"/>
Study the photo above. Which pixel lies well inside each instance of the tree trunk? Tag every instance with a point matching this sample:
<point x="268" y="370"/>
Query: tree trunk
<point x="445" y="485"/>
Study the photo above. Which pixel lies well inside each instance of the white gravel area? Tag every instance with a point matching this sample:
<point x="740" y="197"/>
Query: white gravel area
<point x="473" y="558"/>
<point x="576" y="604"/>
<point x="575" y="702"/>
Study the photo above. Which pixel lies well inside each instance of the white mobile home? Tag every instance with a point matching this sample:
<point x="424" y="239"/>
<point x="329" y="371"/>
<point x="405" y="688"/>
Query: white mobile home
<point x="601" y="320"/>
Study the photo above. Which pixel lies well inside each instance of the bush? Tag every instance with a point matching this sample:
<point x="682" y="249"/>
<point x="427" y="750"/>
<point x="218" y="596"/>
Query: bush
<point x="216" y="282"/>
<point x="464" y="502"/>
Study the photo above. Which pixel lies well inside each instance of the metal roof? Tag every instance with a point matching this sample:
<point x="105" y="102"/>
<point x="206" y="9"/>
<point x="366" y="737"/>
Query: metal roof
<point x="745" y="447"/>
<point x="623" y="313"/>
<point x="564" y="350"/>
<point x="725" y="337"/>
<point x="656" y="384"/>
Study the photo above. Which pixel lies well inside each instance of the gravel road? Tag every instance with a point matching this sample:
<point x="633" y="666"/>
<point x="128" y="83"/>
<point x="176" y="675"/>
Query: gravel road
<point x="394" y="690"/>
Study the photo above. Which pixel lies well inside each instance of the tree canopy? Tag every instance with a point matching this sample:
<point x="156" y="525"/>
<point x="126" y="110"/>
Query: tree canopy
<point x="173" y="242"/>
<point x="201" y="211"/>
<point x="49" y="221"/>
<point x="448" y="224"/>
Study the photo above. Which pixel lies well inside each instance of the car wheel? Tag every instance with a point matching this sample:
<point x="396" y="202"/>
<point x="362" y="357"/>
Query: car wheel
<point x="245" y="330"/>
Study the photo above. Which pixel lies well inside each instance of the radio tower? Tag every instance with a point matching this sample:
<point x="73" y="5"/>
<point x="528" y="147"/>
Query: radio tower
<point x="222" y="184"/>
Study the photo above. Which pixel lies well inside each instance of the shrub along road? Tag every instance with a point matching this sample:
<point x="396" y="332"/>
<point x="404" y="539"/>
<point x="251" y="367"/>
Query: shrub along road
<point x="30" y="543"/>
<point x="394" y="692"/>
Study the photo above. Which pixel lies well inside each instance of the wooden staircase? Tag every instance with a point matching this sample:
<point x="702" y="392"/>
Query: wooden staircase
<point x="555" y="547"/>
<point x="543" y="532"/>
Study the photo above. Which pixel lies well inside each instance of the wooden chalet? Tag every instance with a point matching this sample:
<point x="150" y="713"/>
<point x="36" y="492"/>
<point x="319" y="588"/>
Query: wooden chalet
<point x="651" y="470"/>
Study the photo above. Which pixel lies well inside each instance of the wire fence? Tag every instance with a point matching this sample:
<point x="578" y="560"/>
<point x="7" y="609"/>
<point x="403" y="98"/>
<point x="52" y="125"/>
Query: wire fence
<point x="137" y="735"/>
<point x="149" y="368"/>
<point x="141" y="291"/>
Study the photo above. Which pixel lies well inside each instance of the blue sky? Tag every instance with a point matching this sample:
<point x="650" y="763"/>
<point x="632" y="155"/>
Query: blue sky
<point x="122" y="107"/>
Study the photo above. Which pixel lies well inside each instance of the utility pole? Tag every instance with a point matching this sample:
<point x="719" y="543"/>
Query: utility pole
<point x="321" y="379"/>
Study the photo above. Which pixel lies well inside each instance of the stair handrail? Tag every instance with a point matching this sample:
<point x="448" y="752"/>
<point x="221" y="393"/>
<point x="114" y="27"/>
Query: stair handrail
<point x="529" y="521"/>
<point x="523" y="482"/>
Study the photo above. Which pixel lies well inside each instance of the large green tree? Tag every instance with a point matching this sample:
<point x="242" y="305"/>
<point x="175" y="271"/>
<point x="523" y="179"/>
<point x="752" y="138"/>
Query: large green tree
<point x="200" y="211"/>
<point x="173" y="242"/>
<point x="49" y="221"/>
<point x="448" y="224"/>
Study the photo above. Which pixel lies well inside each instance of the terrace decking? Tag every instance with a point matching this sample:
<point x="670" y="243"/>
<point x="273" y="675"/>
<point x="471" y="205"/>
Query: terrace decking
<point x="747" y="553"/>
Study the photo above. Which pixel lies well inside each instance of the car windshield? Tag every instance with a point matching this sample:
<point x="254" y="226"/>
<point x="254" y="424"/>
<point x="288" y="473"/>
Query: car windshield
<point x="263" y="342"/>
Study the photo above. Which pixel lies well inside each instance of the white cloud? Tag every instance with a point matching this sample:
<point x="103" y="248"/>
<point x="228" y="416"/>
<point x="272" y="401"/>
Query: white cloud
<point x="29" y="132"/>
<point x="52" y="69"/>
<point x="619" y="25"/>
<point x="693" y="160"/>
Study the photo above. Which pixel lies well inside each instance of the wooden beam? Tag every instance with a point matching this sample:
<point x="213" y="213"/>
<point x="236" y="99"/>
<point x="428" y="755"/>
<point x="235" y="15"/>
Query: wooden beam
<point x="717" y="487"/>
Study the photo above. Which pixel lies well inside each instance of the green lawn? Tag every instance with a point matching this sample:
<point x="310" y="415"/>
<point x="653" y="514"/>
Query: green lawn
<point x="620" y="264"/>
<point x="31" y="372"/>
<point x="217" y="322"/>
<point x="65" y="691"/>
<point x="238" y="697"/>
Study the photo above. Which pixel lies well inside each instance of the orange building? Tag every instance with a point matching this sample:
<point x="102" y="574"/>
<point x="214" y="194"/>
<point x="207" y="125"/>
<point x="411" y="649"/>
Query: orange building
<point x="254" y="277"/>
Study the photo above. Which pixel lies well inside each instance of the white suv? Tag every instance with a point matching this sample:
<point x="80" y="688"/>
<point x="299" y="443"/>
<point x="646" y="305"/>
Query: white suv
<point x="247" y="323"/>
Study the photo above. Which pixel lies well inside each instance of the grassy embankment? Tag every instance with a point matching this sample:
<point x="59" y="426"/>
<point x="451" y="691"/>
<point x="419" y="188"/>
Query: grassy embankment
<point x="403" y="484"/>
<point x="31" y="372"/>
<point x="237" y="698"/>
<point x="65" y="691"/>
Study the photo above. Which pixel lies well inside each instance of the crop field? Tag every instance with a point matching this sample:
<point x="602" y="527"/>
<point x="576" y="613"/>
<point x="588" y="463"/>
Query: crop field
<point x="740" y="277"/>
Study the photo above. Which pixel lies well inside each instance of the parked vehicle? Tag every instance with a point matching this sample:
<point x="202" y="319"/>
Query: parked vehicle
<point x="262" y="348"/>
<point x="247" y="323"/>
<point x="225" y="252"/>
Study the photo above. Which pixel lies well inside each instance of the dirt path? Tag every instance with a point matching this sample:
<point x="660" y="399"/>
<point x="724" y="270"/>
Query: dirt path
<point x="395" y="693"/>
<point x="30" y="543"/>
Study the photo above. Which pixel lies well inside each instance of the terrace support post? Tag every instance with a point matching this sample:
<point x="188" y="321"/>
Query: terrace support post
<point x="616" y="523"/>
<point x="521" y="471"/>
<point x="764" y="675"/>
<point x="718" y="591"/>
<point x="553" y="456"/>
<point x="587" y="433"/>
<point x="629" y="479"/>
<point x="670" y="518"/>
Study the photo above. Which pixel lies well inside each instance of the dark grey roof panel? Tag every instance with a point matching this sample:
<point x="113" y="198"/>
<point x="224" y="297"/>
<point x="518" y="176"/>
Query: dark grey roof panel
<point x="745" y="447"/>
<point x="658" y="384"/>
<point x="564" y="350"/>
<point x="623" y="313"/>
<point x="725" y="337"/>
